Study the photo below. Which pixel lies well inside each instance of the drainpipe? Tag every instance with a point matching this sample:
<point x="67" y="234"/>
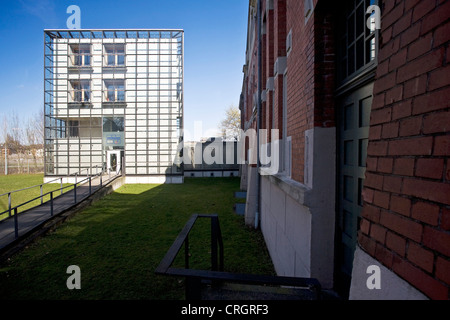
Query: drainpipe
<point x="258" y="115"/>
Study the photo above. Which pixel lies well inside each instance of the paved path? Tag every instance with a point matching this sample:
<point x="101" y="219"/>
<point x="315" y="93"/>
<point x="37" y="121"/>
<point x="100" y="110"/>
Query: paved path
<point x="34" y="217"/>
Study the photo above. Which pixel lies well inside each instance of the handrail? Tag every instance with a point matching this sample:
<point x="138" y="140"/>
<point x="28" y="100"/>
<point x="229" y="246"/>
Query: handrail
<point x="10" y="209"/>
<point x="44" y="194"/>
<point x="311" y="283"/>
<point x="74" y="185"/>
<point x="183" y="238"/>
<point x="194" y="277"/>
<point x="38" y="185"/>
<point x="16" y="223"/>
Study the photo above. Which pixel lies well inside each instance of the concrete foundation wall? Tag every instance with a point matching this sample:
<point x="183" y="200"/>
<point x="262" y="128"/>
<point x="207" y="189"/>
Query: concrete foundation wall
<point x="251" y="206"/>
<point x="298" y="220"/>
<point x="153" y="179"/>
<point x="286" y="226"/>
<point x="127" y="179"/>
<point x="211" y="174"/>
<point x="244" y="173"/>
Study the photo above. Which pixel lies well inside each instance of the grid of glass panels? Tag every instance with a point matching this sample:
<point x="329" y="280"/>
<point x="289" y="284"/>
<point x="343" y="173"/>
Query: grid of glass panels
<point x="113" y="90"/>
<point x="357" y="43"/>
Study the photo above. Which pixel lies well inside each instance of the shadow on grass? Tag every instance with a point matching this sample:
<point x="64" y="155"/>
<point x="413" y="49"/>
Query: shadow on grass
<point x="119" y="241"/>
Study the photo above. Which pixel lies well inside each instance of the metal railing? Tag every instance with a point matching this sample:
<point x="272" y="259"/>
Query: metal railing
<point x="216" y="275"/>
<point x="183" y="239"/>
<point x="87" y="179"/>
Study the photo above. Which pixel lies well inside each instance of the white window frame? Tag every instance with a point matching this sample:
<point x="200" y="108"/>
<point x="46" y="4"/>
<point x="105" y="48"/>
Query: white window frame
<point x="80" y="86"/>
<point x="309" y="9"/>
<point x="115" y="50"/>
<point x="289" y="43"/>
<point x="82" y="52"/>
<point x="115" y="83"/>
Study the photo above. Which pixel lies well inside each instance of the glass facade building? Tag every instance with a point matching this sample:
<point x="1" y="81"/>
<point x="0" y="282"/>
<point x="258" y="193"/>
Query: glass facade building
<point x="114" y="99"/>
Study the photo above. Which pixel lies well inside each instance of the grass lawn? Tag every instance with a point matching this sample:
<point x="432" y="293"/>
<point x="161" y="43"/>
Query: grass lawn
<point x="19" y="181"/>
<point x="119" y="241"/>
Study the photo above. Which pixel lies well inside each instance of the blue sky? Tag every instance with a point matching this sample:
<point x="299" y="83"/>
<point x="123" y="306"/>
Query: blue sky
<point x="215" y="42"/>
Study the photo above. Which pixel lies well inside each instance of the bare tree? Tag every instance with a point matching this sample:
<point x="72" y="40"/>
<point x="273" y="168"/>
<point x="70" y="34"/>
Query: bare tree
<point x="35" y="129"/>
<point x="39" y="125"/>
<point x="22" y="137"/>
<point x="4" y="127"/>
<point x="4" y="132"/>
<point x="230" y="127"/>
<point x="30" y="132"/>
<point x="31" y="138"/>
<point x="16" y="137"/>
<point x="16" y="130"/>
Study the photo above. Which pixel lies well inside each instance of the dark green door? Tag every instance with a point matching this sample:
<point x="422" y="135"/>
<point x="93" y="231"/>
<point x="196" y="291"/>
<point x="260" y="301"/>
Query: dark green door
<point x="353" y="134"/>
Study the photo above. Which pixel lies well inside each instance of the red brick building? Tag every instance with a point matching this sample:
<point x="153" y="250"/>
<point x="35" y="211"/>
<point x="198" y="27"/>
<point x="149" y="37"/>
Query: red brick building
<point x="363" y="123"/>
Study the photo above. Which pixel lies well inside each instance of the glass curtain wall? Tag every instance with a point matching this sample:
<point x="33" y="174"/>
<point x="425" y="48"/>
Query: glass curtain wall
<point x="113" y="90"/>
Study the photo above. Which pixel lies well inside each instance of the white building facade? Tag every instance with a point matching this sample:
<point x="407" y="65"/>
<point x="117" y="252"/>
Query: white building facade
<point x="114" y="100"/>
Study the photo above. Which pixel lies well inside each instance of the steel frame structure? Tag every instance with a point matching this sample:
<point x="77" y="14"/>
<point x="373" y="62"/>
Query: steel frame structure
<point x="147" y="111"/>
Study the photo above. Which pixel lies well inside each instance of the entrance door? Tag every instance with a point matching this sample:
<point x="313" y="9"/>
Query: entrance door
<point x="113" y="161"/>
<point x="354" y="118"/>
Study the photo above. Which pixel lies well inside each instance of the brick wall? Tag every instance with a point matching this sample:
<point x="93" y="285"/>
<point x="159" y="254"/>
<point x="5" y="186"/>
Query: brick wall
<point x="279" y="51"/>
<point x="310" y="75"/>
<point x="263" y="79"/>
<point x="406" y="216"/>
<point x="324" y="68"/>
<point x="269" y="62"/>
<point x="280" y="28"/>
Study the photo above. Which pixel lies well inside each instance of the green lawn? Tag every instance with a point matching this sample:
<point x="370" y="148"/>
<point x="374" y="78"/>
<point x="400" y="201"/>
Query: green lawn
<point x="119" y="241"/>
<point x="20" y="181"/>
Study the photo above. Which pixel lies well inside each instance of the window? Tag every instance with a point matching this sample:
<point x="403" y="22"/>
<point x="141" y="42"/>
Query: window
<point x="113" y="124"/>
<point x="113" y="132"/>
<point x="115" y="90"/>
<point x="286" y="145"/>
<point x="357" y="49"/>
<point x="81" y="55"/>
<point x="179" y="90"/>
<point x="60" y="129"/>
<point x="115" y="55"/>
<point x="309" y="7"/>
<point x="81" y="91"/>
<point x="289" y="42"/>
<point x="74" y="129"/>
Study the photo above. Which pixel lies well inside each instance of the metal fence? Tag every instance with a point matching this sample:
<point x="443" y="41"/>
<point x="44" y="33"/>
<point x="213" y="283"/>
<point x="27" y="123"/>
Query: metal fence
<point x="21" y="164"/>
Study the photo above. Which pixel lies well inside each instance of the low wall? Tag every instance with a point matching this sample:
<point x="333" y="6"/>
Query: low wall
<point x="286" y="226"/>
<point x="211" y="173"/>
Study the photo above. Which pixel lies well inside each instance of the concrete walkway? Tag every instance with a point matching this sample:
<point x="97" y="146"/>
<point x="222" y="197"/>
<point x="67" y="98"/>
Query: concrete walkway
<point x="30" y="220"/>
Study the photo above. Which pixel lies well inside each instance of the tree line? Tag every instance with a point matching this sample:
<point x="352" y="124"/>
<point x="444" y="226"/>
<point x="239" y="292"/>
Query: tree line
<point x="22" y="137"/>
